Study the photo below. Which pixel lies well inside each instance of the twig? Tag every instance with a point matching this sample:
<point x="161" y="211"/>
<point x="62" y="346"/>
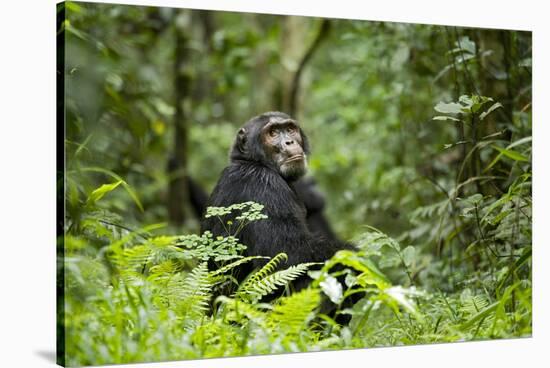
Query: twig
<point x="137" y="232"/>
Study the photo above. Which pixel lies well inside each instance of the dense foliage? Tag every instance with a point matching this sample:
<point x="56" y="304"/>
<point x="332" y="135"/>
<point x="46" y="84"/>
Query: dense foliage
<point x="421" y="140"/>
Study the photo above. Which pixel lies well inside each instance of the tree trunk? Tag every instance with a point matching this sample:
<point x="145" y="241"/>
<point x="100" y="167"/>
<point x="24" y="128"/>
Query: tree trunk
<point x="178" y="194"/>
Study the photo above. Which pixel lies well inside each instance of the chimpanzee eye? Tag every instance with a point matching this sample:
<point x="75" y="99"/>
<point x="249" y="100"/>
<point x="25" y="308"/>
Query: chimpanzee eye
<point x="272" y="133"/>
<point x="291" y="129"/>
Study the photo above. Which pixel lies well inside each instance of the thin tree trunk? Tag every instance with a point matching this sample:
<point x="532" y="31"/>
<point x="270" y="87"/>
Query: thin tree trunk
<point x="178" y="194"/>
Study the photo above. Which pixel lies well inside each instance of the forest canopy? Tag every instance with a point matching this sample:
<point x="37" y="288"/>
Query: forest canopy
<point x="421" y="148"/>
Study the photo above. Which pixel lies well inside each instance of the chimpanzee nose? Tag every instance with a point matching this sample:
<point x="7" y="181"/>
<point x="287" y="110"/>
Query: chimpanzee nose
<point x="289" y="142"/>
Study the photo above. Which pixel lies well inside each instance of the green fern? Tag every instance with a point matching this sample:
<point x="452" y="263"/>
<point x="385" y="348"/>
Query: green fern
<point x="477" y="314"/>
<point x="130" y="262"/>
<point x="262" y="273"/>
<point x="232" y="265"/>
<point x="236" y="310"/>
<point x="190" y="295"/>
<point x="205" y="247"/>
<point x="161" y="273"/>
<point x="255" y="291"/>
<point x="292" y="314"/>
<point x="136" y="257"/>
<point x="473" y="304"/>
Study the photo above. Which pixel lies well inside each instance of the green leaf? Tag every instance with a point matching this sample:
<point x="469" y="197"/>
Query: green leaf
<point x="128" y="188"/>
<point x="293" y="313"/>
<point x="520" y="142"/>
<point x="514" y="155"/>
<point x="473" y="200"/>
<point x="403" y="297"/>
<point x="495" y="106"/>
<point x="514" y="144"/>
<point x="449" y="108"/>
<point x="97" y="194"/>
<point x="467" y="101"/>
<point x="441" y="117"/>
<point x="527" y="62"/>
<point x="72" y="30"/>
<point x="271" y="283"/>
<point x="466" y="44"/>
<point x="236" y="263"/>
<point x="369" y="273"/>
<point x="73" y="7"/>
<point x="332" y="288"/>
<point x="409" y="255"/>
<point x="482" y="314"/>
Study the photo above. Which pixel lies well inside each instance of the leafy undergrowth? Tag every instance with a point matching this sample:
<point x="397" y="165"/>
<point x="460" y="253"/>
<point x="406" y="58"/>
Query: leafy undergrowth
<point x="142" y="298"/>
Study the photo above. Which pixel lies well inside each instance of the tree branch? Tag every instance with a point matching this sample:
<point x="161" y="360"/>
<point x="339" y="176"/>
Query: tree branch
<point x="295" y="86"/>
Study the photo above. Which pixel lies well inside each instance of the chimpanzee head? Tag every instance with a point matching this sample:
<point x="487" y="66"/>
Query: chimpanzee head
<point x="275" y="140"/>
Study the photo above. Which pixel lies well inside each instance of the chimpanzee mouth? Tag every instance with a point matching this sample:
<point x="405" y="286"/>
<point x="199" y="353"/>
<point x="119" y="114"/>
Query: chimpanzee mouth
<point x="294" y="158"/>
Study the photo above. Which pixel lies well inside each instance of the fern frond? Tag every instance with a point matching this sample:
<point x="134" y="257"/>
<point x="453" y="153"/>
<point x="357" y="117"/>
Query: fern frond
<point x="293" y="313"/>
<point x="474" y="304"/>
<point x="190" y="295"/>
<point x="263" y="272"/>
<point x="133" y="257"/>
<point x="239" y="311"/>
<point x="476" y="312"/>
<point x="255" y="291"/>
<point x="232" y="265"/>
<point x="162" y="272"/>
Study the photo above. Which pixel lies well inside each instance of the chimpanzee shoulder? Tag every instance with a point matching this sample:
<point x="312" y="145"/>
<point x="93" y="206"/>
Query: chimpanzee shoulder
<point x="244" y="181"/>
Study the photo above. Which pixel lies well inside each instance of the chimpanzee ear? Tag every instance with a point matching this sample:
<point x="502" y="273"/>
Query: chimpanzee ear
<point x="240" y="143"/>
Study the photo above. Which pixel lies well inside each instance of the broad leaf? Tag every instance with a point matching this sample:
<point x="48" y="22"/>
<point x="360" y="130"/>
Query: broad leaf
<point x="409" y="255"/>
<point x="97" y="194"/>
<point x="449" y="108"/>
<point x="332" y="288"/>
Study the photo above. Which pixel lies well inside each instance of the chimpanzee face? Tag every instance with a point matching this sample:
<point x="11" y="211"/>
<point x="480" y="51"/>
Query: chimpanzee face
<point x="275" y="140"/>
<point x="283" y="145"/>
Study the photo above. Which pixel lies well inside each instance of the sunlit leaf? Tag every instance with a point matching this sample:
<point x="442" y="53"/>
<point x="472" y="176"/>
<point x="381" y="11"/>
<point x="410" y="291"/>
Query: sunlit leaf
<point x="441" y="117"/>
<point x="332" y="288"/>
<point x="128" y="188"/>
<point x="449" y="108"/>
<point x="97" y="194"/>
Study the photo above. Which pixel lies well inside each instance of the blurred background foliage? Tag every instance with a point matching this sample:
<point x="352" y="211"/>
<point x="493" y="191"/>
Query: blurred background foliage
<point x="154" y="97"/>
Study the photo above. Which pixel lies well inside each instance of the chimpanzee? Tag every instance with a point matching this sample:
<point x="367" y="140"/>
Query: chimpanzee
<point x="307" y="190"/>
<point x="269" y="154"/>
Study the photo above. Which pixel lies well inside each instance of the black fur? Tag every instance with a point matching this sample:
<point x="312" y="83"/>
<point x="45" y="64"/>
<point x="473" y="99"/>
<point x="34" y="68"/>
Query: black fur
<point x="253" y="176"/>
<point x="313" y="199"/>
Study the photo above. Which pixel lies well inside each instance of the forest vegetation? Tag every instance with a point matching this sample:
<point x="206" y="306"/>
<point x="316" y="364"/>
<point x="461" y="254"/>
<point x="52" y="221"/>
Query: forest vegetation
<point x="421" y="146"/>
